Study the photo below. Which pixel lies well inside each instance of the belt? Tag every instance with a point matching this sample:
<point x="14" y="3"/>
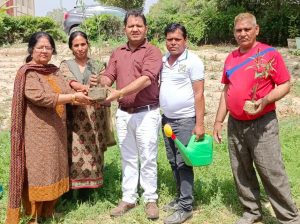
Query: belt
<point x="132" y="110"/>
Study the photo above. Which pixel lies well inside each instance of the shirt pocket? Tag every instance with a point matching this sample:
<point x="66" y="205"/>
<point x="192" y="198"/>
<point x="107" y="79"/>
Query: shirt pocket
<point x="137" y="67"/>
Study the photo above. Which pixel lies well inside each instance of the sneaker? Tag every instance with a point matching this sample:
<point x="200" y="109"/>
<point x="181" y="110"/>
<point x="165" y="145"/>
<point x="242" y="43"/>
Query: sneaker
<point x="179" y="216"/>
<point x="121" y="209"/>
<point x="248" y="219"/>
<point x="152" y="211"/>
<point x="172" y="206"/>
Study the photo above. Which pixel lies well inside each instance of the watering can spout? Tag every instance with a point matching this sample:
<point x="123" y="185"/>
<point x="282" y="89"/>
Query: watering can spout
<point x="197" y="153"/>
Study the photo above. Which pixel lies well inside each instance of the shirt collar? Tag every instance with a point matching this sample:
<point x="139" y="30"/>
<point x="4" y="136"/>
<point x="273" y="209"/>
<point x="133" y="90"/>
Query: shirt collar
<point x="182" y="57"/>
<point x="126" y="46"/>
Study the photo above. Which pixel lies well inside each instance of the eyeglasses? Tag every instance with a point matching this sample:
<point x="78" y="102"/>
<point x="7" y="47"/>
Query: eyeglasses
<point x="46" y="48"/>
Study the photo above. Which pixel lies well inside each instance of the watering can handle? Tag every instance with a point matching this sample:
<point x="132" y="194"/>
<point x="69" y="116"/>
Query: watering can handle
<point x="193" y="138"/>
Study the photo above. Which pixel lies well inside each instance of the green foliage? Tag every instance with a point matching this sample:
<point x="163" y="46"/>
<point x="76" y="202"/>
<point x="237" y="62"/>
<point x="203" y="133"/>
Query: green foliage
<point x="273" y="28"/>
<point x="203" y="21"/>
<point x="157" y="25"/>
<point x="166" y="7"/>
<point x="4" y="171"/>
<point x="295" y="52"/>
<point x="220" y="25"/>
<point x="293" y="29"/>
<point x="161" y="45"/>
<point x="103" y="27"/>
<point x="211" y="21"/>
<point x="9" y="25"/>
<point x="125" y="4"/>
<point x="166" y="12"/>
<point x="158" y="21"/>
<point x="2" y="26"/>
<point x="276" y="18"/>
<point x="19" y="29"/>
<point x="214" y="189"/>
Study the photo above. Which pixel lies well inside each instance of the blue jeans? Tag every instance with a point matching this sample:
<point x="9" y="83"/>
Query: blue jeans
<point x="183" y="174"/>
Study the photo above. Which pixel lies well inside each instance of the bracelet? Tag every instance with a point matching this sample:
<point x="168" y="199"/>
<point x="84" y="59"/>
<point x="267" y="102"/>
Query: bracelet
<point x="73" y="100"/>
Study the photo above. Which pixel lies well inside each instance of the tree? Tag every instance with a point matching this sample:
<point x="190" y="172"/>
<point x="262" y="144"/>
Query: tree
<point x="125" y="4"/>
<point x="166" y="7"/>
<point x="211" y="21"/>
<point x="57" y="15"/>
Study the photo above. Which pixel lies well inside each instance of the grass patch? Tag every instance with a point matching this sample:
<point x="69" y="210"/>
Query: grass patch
<point x="296" y="88"/>
<point x="215" y="196"/>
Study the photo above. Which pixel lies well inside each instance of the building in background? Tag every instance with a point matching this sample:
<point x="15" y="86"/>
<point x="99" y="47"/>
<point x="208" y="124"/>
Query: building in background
<point x="22" y="7"/>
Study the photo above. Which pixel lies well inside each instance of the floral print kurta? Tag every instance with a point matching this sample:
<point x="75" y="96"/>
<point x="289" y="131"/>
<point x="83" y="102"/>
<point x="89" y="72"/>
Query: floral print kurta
<point x="86" y="138"/>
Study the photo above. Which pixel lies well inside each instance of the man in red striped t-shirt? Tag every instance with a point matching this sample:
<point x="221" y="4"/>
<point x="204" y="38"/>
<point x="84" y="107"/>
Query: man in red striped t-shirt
<point x="255" y="72"/>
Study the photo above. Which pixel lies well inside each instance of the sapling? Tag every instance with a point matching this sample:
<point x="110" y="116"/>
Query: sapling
<point x="263" y="69"/>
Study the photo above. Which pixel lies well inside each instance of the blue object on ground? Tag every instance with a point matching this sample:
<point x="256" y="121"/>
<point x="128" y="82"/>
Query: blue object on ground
<point x="1" y="191"/>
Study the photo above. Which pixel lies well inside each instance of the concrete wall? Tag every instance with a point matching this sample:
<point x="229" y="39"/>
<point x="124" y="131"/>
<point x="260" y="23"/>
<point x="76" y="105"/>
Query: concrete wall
<point x="23" y="7"/>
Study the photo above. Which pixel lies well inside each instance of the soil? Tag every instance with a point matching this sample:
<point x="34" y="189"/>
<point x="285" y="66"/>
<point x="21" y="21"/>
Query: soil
<point x="11" y="58"/>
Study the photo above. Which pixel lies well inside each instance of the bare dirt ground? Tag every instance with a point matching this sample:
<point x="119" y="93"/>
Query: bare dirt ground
<point x="12" y="58"/>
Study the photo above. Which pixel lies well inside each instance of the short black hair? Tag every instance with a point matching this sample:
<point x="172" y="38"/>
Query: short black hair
<point x="76" y="34"/>
<point x="33" y="41"/>
<point x="171" y="28"/>
<point x="136" y="13"/>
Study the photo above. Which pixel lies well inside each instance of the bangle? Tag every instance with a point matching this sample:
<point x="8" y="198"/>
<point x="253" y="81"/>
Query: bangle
<point x="219" y="122"/>
<point x="73" y="100"/>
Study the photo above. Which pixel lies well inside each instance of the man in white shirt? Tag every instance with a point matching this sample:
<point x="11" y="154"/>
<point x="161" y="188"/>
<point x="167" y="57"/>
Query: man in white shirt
<point x="182" y="102"/>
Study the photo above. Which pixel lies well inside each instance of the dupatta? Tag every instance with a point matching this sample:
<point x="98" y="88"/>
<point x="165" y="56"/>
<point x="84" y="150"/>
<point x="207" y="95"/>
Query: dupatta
<point x="17" y="158"/>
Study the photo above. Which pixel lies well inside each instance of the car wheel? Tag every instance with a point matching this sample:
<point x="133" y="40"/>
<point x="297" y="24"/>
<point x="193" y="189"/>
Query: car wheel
<point x="74" y="28"/>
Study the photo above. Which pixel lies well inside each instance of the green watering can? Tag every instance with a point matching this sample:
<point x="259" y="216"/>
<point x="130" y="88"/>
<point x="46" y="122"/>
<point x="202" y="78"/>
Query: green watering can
<point x="197" y="153"/>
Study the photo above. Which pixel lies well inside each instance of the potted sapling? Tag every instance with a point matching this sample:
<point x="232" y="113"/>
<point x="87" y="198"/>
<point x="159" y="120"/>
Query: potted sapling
<point x="263" y="69"/>
<point x="97" y="93"/>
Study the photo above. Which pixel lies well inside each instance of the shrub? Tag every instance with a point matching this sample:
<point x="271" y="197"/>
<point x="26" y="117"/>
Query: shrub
<point x="103" y="27"/>
<point x="9" y="26"/>
<point x="19" y="29"/>
<point x="196" y="29"/>
<point x="2" y="27"/>
<point x="204" y="23"/>
<point x="211" y="21"/>
<point x="157" y="25"/>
